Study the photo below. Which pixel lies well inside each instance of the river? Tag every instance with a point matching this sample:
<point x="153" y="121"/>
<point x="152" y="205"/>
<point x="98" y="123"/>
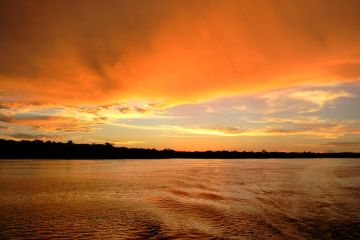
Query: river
<point x="180" y="199"/>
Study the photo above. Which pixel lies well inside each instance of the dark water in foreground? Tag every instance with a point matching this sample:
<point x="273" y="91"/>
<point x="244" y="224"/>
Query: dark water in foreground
<point x="180" y="199"/>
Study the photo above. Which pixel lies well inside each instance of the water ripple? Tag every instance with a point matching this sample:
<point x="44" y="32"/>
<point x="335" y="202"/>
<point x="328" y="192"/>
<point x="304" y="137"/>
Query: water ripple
<point x="180" y="199"/>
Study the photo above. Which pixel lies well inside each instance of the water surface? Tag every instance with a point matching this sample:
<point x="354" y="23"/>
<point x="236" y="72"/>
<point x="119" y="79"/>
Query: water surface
<point x="180" y="199"/>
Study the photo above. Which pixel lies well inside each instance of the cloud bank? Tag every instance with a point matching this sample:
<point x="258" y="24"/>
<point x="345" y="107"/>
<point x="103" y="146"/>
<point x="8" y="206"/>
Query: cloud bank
<point x="100" y="52"/>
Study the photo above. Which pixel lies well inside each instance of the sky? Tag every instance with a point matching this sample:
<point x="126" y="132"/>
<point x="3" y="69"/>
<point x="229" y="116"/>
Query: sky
<point x="182" y="74"/>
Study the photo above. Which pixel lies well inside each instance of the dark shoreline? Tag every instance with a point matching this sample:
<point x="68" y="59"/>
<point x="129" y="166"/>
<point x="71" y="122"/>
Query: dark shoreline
<point x="37" y="149"/>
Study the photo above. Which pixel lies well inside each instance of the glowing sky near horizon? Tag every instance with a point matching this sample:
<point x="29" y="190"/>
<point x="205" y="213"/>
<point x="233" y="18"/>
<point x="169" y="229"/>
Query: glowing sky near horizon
<point x="187" y="75"/>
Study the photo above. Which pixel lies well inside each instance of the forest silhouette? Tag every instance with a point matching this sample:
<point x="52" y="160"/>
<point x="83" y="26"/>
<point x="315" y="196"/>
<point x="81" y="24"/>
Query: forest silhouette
<point x="38" y="149"/>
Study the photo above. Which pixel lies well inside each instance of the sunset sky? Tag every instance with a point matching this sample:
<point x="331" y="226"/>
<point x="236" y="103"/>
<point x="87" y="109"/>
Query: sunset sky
<point x="240" y="75"/>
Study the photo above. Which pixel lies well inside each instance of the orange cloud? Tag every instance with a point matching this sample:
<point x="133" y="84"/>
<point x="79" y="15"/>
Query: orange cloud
<point x="96" y="52"/>
<point x="24" y="136"/>
<point x="51" y="123"/>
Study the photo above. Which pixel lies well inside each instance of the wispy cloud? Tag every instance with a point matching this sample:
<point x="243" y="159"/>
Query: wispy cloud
<point x="312" y="126"/>
<point x="318" y="127"/>
<point x="300" y="120"/>
<point x="301" y="100"/>
<point x="344" y="144"/>
<point x="129" y="142"/>
<point x="319" y="97"/>
<point x="25" y="136"/>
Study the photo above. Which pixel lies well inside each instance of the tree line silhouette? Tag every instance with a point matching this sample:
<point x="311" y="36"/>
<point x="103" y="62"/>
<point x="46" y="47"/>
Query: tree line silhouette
<point x="38" y="149"/>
